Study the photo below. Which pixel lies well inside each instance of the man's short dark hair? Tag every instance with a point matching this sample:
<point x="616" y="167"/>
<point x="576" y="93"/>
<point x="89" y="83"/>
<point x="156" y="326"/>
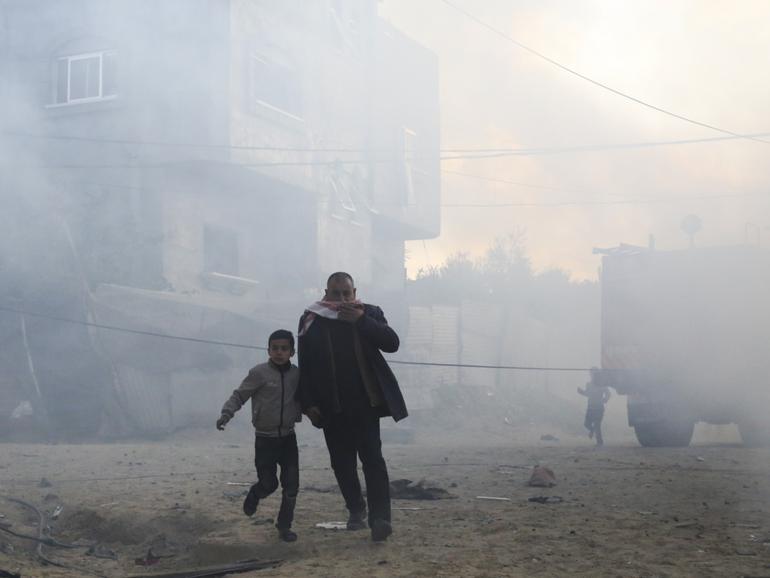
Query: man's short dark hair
<point x="281" y="334"/>
<point x="339" y="276"/>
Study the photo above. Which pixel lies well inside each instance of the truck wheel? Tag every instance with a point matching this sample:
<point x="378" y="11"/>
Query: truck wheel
<point x="754" y="435"/>
<point x="664" y="434"/>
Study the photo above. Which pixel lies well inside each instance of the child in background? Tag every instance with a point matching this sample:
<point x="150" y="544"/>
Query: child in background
<point x="598" y="396"/>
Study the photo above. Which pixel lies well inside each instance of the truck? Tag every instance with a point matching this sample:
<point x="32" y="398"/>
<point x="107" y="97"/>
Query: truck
<point x="685" y="335"/>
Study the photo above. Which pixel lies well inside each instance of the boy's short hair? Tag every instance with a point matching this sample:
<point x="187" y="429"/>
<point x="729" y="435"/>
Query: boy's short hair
<point x="281" y="334"/>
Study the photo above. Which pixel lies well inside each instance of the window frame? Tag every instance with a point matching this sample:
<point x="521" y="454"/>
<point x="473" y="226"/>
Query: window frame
<point x="258" y="103"/>
<point x="216" y="237"/>
<point x="411" y="164"/>
<point x="69" y="59"/>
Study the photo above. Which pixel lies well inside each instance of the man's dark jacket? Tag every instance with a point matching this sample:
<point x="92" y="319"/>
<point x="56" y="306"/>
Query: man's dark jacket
<point x="317" y="384"/>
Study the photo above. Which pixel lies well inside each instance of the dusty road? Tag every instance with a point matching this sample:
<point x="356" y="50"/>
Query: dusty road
<point x="627" y="511"/>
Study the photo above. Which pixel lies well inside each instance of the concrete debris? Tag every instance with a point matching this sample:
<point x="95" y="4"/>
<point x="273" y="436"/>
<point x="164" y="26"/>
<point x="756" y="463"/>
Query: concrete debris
<point x="101" y="551"/>
<point x="542" y="477"/>
<point x="422" y="490"/>
<point x="547" y="499"/>
<point x="332" y="525"/>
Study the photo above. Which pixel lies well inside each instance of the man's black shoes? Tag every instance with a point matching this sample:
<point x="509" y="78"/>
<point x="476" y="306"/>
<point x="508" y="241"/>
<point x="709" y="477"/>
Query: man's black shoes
<point x="356" y="520"/>
<point x="381" y="529"/>
<point x="251" y="501"/>
<point x="287" y="535"/>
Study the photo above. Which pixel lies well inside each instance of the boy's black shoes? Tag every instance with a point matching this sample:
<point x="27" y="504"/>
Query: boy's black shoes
<point x="287" y="535"/>
<point x="251" y="501"/>
<point x="381" y="529"/>
<point x="357" y="521"/>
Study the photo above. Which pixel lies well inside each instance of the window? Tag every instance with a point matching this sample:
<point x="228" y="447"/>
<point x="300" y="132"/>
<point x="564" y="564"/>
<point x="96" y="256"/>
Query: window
<point x="345" y="26"/>
<point x="410" y="165"/>
<point x="340" y="188"/>
<point x="86" y="77"/>
<point x="275" y="86"/>
<point x="220" y="251"/>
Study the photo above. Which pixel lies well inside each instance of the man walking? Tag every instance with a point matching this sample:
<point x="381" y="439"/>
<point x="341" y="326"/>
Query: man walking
<point x="345" y="388"/>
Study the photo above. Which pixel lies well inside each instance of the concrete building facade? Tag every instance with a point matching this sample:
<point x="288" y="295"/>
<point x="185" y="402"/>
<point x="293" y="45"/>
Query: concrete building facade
<point x="208" y="162"/>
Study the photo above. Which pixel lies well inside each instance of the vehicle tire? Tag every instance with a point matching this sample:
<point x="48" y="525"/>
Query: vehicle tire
<point x="664" y="434"/>
<point x="754" y="435"/>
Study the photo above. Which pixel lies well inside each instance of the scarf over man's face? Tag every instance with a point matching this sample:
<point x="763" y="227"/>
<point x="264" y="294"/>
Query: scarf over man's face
<point x="325" y="309"/>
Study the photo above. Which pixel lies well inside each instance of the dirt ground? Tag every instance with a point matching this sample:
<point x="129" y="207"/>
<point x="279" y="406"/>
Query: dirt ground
<point x="627" y="511"/>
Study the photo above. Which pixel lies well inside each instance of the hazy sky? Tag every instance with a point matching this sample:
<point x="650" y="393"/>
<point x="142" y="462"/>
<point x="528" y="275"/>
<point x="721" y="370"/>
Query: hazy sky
<point x="704" y="59"/>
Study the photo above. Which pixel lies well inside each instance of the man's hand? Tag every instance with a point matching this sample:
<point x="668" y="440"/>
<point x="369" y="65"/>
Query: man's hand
<point x="350" y="312"/>
<point x="315" y="416"/>
<point x="222" y="421"/>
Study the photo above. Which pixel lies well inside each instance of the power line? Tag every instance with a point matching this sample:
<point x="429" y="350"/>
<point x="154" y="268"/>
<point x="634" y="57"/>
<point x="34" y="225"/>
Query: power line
<point x="506" y="181"/>
<point x="544" y="151"/>
<point x="546" y="204"/>
<point x="480" y="366"/>
<point x="127" y="330"/>
<point x="170" y="144"/>
<point x="606" y="146"/>
<point x="606" y="203"/>
<point x="596" y="82"/>
<point x="459" y="153"/>
<point x="254" y="347"/>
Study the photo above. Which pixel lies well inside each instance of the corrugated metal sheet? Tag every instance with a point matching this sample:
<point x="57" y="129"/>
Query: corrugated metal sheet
<point x="482" y="329"/>
<point x="146" y="400"/>
<point x="446" y="344"/>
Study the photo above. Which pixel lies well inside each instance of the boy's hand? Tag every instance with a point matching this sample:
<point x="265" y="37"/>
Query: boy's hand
<point x="315" y="416"/>
<point x="350" y="312"/>
<point x="222" y="421"/>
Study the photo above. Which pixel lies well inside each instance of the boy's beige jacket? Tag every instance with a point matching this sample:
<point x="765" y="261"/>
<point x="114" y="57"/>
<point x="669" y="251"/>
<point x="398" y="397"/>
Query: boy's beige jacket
<point x="274" y="409"/>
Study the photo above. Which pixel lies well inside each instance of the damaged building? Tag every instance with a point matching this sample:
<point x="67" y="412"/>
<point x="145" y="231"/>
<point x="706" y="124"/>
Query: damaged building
<point x="194" y="168"/>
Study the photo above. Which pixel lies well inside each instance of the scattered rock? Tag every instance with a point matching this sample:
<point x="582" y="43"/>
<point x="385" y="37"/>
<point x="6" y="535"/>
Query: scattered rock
<point x="321" y="489"/>
<point x="542" y="477"/>
<point x="101" y="551"/>
<point x="422" y="490"/>
<point x="548" y="438"/>
<point x="44" y="483"/>
<point x="547" y="499"/>
<point x="233" y="496"/>
<point x="332" y="525"/>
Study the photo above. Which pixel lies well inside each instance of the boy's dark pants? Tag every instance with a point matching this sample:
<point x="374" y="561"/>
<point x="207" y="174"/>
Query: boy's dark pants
<point x="269" y="453"/>
<point x="349" y="437"/>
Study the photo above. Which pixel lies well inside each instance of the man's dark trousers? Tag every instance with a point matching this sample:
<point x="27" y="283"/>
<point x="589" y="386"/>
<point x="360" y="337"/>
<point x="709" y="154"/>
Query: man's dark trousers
<point x="269" y="453"/>
<point x="347" y="438"/>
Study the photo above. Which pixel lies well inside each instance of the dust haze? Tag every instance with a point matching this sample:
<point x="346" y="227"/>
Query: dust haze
<point x="178" y="178"/>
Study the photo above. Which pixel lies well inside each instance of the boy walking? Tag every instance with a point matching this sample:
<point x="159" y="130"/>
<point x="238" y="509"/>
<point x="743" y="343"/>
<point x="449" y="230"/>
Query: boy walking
<point x="272" y="387"/>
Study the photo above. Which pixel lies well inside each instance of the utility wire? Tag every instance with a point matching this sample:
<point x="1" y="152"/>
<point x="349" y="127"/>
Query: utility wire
<point x="170" y="144"/>
<point x="458" y="153"/>
<point x="506" y="181"/>
<point x="127" y="330"/>
<point x="254" y="347"/>
<point x="606" y="203"/>
<point x="596" y="82"/>
<point x="619" y="201"/>
<point x="544" y="151"/>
